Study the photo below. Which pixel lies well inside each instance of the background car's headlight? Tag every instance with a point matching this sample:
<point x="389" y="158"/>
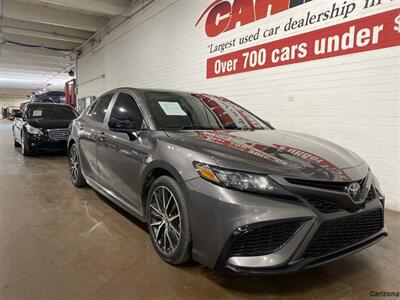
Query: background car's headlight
<point x="237" y="180"/>
<point x="33" y="130"/>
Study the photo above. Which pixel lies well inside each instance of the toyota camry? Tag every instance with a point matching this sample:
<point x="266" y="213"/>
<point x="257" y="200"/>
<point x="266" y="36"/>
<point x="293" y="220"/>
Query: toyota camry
<point x="217" y="184"/>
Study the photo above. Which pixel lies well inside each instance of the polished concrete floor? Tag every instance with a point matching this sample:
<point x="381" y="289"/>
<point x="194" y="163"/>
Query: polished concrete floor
<point x="59" y="242"/>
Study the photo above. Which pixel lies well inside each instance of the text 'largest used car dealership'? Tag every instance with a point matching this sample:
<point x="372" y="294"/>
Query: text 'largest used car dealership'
<point x="181" y="149"/>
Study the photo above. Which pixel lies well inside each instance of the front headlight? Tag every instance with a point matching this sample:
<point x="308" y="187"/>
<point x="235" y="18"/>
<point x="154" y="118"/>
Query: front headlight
<point x="238" y="180"/>
<point x="33" y="130"/>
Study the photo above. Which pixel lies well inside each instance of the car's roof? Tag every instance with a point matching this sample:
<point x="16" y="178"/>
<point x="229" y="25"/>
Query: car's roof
<point x="145" y="90"/>
<point x="52" y="93"/>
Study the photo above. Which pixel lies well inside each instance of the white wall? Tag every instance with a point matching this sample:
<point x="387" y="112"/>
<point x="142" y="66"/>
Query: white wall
<point x="6" y="101"/>
<point x="352" y="100"/>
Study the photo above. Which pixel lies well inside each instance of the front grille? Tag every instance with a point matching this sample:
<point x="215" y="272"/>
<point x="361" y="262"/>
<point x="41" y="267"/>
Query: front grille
<point x="326" y="185"/>
<point x="59" y="134"/>
<point x="340" y="233"/>
<point x="325" y="206"/>
<point x="264" y="239"/>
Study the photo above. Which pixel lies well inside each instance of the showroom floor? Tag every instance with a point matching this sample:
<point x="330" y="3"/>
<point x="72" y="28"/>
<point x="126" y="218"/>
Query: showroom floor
<point x="59" y="242"/>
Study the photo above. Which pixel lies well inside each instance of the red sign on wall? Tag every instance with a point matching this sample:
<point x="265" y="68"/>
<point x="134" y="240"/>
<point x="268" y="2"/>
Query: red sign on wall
<point x="224" y="16"/>
<point x="365" y="34"/>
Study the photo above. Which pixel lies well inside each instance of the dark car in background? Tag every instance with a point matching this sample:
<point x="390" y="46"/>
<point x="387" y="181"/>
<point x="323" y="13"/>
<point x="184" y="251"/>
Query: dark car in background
<point x="4" y="112"/>
<point x="13" y="112"/>
<point x="216" y="183"/>
<point x="43" y="127"/>
<point x="49" y="97"/>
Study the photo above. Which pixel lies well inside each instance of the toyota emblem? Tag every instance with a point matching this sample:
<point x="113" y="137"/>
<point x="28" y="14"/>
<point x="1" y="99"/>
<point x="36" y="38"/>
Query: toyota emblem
<point x="353" y="190"/>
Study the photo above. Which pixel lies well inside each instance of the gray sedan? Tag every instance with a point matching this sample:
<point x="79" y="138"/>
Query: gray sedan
<point x="216" y="183"/>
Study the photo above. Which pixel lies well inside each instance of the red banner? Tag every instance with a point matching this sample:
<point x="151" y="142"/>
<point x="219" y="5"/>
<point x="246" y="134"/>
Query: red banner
<point x="365" y="34"/>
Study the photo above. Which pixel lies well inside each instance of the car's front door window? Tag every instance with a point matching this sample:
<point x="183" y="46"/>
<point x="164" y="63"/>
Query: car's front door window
<point x="127" y="111"/>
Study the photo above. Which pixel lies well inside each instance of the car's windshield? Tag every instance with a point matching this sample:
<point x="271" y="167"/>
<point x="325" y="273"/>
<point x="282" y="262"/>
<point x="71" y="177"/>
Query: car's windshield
<point x="199" y="111"/>
<point x="51" y="112"/>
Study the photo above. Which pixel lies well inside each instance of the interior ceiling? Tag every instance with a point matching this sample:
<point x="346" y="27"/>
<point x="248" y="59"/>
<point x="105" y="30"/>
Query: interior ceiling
<point x="38" y="39"/>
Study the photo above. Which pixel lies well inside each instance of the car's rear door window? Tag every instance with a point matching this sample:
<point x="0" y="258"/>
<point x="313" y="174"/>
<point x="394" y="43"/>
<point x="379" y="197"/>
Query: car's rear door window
<point x="99" y="112"/>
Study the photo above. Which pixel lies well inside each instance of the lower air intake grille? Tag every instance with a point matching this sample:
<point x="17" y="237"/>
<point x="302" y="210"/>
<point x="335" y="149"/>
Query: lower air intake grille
<point x="265" y="239"/>
<point x="340" y="233"/>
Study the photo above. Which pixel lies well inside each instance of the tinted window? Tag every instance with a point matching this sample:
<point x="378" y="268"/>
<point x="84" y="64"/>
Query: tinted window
<point x="199" y="111"/>
<point x="99" y="112"/>
<point x="127" y="111"/>
<point x="50" y="112"/>
<point x="91" y="108"/>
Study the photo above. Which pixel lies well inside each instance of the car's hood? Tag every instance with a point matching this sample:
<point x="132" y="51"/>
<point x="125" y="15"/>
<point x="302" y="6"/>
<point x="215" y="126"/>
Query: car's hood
<point x="49" y="124"/>
<point x="281" y="153"/>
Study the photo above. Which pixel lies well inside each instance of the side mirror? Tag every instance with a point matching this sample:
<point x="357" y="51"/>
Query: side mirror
<point x="121" y="125"/>
<point x="124" y="125"/>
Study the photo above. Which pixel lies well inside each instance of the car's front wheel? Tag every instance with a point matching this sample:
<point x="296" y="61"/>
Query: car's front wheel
<point x="16" y="144"/>
<point x="75" y="167"/>
<point x="168" y="221"/>
<point x="24" y="146"/>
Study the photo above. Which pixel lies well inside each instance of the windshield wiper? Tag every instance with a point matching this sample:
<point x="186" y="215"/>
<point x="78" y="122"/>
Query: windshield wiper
<point x="190" y="128"/>
<point x="233" y="127"/>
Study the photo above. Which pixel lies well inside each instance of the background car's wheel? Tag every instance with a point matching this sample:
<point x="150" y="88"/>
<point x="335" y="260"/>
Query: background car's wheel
<point x="16" y="144"/>
<point x="168" y="221"/>
<point x="24" y="147"/>
<point x="75" y="168"/>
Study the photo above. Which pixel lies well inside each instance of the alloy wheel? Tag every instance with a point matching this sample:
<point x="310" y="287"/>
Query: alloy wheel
<point x="74" y="164"/>
<point x="165" y="220"/>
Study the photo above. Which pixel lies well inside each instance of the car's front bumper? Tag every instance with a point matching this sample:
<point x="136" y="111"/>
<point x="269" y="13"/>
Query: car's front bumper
<point x="218" y="216"/>
<point x="304" y="263"/>
<point x="45" y="144"/>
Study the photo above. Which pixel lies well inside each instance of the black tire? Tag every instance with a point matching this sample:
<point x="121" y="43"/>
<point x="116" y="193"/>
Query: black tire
<point x="16" y="144"/>
<point x="75" y="167"/>
<point x="181" y="251"/>
<point x="24" y="147"/>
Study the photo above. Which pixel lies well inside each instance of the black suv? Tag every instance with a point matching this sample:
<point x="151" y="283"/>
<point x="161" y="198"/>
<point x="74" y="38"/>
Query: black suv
<point x="50" y="97"/>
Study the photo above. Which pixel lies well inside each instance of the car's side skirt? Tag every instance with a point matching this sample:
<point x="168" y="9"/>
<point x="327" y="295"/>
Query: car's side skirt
<point x="115" y="199"/>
